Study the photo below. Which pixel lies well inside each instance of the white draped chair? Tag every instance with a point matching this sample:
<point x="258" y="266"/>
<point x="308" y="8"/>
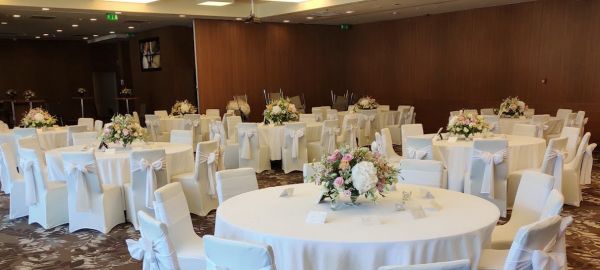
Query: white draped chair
<point x="529" y="112"/>
<point x="234" y="182"/>
<point x="470" y="111"/>
<point x="47" y="200"/>
<point x="193" y="121"/>
<point x="383" y="141"/>
<point x="185" y="137"/>
<point x="88" y="122"/>
<point x="422" y="172"/>
<point x="148" y="173"/>
<point x="307" y="118"/>
<point x="585" y="176"/>
<point x="525" y="130"/>
<point x="553" y="128"/>
<point x="410" y="130"/>
<point x="248" y="256"/>
<point x="571" y="186"/>
<point x="172" y="210"/>
<point x="231" y="152"/>
<point x="136" y="117"/>
<point x="153" y="126"/>
<point x="454" y="113"/>
<point x="419" y="147"/>
<point x="368" y="126"/>
<point x="327" y="144"/>
<point x="332" y="114"/>
<point x="213" y="112"/>
<point x="99" y="126"/>
<point x="252" y="152"/>
<point x="74" y="129"/>
<point x="349" y="133"/>
<point x="532" y="195"/>
<point x="487" y="111"/>
<point x="13" y="182"/>
<point x="488" y="172"/>
<point x="493" y="121"/>
<point x="540" y="121"/>
<point x="32" y="143"/>
<point x="563" y="114"/>
<point x="199" y="186"/>
<point x="11" y="140"/>
<point x="536" y="246"/>
<point x="92" y="205"/>
<point x="85" y="138"/>
<point x="25" y="132"/>
<point x="451" y="265"/>
<point x="572" y="135"/>
<point x="4" y="127"/>
<point x="552" y="164"/>
<point x="293" y="152"/>
<point x="153" y="248"/>
<point x="320" y="112"/>
<point x="162" y="114"/>
<point x="394" y="119"/>
<point x="232" y="124"/>
<point x="408" y="115"/>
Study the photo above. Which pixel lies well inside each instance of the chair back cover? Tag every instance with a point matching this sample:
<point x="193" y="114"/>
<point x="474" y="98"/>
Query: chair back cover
<point x="232" y="123"/>
<point x="162" y="114"/>
<point x="35" y="180"/>
<point x="307" y="118"/>
<point x="587" y="164"/>
<point x="579" y="119"/>
<point x="452" y="265"/>
<point x="332" y="114"/>
<point x="99" y="125"/>
<point x="454" y="113"/>
<point x="148" y="172"/>
<point x="554" y="159"/>
<point x="233" y="182"/>
<point x="329" y="134"/>
<point x="249" y="145"/>
<point x="383" y="108"/>
<point x="83" y="181"/>
<point x="350" y="129"/>
<point x="32" y="143"/>
<point x="422" y="172"/>
<point x="525" y="130"/>
<point x="213" y="112"/>
<point x="153" y="126"/>
<point x="471" y="111"/>
<point x="489" y="171"/>
<point x="88" y="122"/>
<point x="74" y="129"/>
<point x="216" y="128"/>
<point x="209" y="160"/>
<point x="367" y="122"/>
<point x="154" y="247"/>
<point x="24" y="132"/>
<point x="12" y="141"/>
<point x="85" y="138"/>
<point x="563" y="113"/>
<point x="248" y="256"/>
<point x="493" y="121"/>
<point x="553" y="205"/>
<point x="532" y="194"/>
<point x="8" y="167"/>
<point x="294" y="151"/>
<point x="419" y="147"/>
<point x="410" y="130"/>
<point x="572" y="135"/>
<point x="532" y="241"/>
<point x="487" y="111"/>
<point x="185" y="137"/>
<point x="192" y="122"/>
<point x="136" y="117"/>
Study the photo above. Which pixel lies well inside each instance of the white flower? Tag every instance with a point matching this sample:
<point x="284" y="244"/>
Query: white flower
<point x="364" y="102"/>
<point x="276" y="110"/>
<point x="185" y="107"/>
<point x="364" y="176"/>
<point x="38" y="117"/>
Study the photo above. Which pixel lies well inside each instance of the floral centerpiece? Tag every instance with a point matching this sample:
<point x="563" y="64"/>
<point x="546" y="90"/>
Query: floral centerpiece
<point x="122" y="129"/>
<point x="512" y="107"/>
<point x="279" y="111"/>
<point x="81" y="91"/>
<point x="126" y="91"/>
<point x="467" y="125"/>
<point x="239" y="106"/>
<point x="366" y="103"/>
<point x="37" y="118"/>
<point x="11" y="93"/>
<point x="28" y="94"/>
<point x="353" y="173"/>
<point x="181" y="108"/>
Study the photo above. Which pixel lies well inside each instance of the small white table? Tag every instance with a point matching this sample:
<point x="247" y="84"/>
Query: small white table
<point x="458" y="231"/>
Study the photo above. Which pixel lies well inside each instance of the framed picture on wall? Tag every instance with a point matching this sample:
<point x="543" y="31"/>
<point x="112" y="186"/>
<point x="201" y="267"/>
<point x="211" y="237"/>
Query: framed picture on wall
<point x="150" y="54"/>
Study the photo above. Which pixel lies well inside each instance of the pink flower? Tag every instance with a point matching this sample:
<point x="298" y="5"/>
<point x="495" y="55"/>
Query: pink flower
<point x="344" y="165"/>
<point x="347" y="193"/>
<point x="347" y="157"/>
<point x="338" y="182"/>
<point x="332" y="158"/>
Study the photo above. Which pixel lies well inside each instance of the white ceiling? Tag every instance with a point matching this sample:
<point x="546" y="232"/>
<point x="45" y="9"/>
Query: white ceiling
<point x="63" y="13"/>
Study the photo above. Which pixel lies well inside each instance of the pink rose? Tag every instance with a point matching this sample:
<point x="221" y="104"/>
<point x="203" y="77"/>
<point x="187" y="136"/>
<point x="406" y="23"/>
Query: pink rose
<point x="332" y="158"/>
<point x="338" y="182"/>
<point x="347" y="157"/>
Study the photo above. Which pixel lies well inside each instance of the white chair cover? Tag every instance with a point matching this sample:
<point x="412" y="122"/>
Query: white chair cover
<point x="211" y="161"/>
<point x="150" y="168"/>
<point x="234" y="182"/>
<point x="232" y="123"/>
<point x="12" y="182"/>
<point x="24" y="132"/>
<point x="79" y="172"/>
<point x="571" y="175"/>
<point x="490" y="160"/>
<point x="572" y="135"/>
<point x="422" y="172"/>
<point x="525" y="130"/>
<point x="153" y="247"/>
<point x="307" y="118"/>
<point x="213" y="112"/>
<point x="185" y="137"/>
<point x="217" y="127"/>
<point x="88" y="122"/>
<point x="148" y="173"/>
<point x="153" y="125"/>
<point x="256" y="154"/>
<point x="418" y="147"/>
<point x="85" y="138"/>
<point x="350" y="129"/>
<point x="488" y="172"/>
<point x="493" y="121"/>
<point x="587" y="165"/>
<point x="247" y="256"/>
<point x="558" y="157"/>
<point x="31" y="194"/>
<point x="295" y="135"/>
<point x="329" y="137"/>
<point x="162" y="114"/>
<point x="487" y="111"/>
<point x="563" y="114"/>
<point x="74" y="129"/>
<point x="409" y="130"/>
<point x="294" y="151"/>
<point x="540" y="121"/>
<point x="245" y="145"/>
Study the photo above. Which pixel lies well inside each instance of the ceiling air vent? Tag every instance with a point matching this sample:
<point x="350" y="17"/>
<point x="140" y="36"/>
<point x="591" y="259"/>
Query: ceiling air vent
<point x="40" y="17"/>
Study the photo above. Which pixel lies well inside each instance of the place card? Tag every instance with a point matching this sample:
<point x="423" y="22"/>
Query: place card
<point x="426" y="194"/>
<point x="316" y="217"/>
<point x="415" y="209"/>
<point x="452" y="139"/>
<point x="287" y="192"/>
<point x="401" y="206"/>
<point x="431" y="205"/>
<point x="370" y="220"/>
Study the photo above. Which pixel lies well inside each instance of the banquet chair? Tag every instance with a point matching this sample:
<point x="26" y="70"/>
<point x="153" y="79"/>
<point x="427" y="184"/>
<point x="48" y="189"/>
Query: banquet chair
<point x="154" y="247"/>
<point x="74" y="129"/>
<point x="88" y="122"/>
<point x="248" y="256"/>
<point x="230" y="151"/>
<point x="349" y="133"/>
<point x="422" y="172"/>
<point x="580" y="119"/>
<point x="409" y="130"/>
<point x="454" y="113"/>
<point x="85" y="138"/>
<point x="226" y="115"/>
<point x="368" y="126"/>
<point x="540" y="121"/>
<point x="153" y="125"/>
<point x="199" y="186"/>
<point x="11" y="140"/>
<point x="539" y="237"/>
<point x="524" y="130"/>
<point x="487" y="111"/>
<point x="25" y="132"/>
<point x="32" y="143"/>
<point x="332" y="114"/>
<point x="308" y="118"/>
<point x="136" y="117"/>
<point x="327" y="144"/>
<point x="572" y="135"/>
<point x="394" y="118"/>
<point x="488" y="172"/>
<point x="529" y="112"/>
<point x="275" y="96"/>
<point x="4" y="127"/>
<point x="12" y="182"/>
<point x="383" y="108"/>
<point x="571" y="186"/>
<point x="172" y="210"/>
<point x="419" y="147"/>
<point x="162" y="114"/>
<point x="383" y="141"/>
<point x="320" y="112"/>
<point x="451" y="265"/>
<point x="234" y="182"/>
<point x="47" y="200"/>
<point x="553" y="128"/>
<point x="532" y="195"/>
<point x="294" y="153"/>
<point x="297" y="103"/>
<point x="470" y="111"/>
<point x="493" y="122"/>
<point x="213" y="112"/>
<point x="232" y="123"/>
<point x="552" y="164"/>
<point x="92" y="205"/>
<point x="585" y="176"/>
<point x="193" y="121"/>
<point x="252" y="152"/>
<point x="410" y="116"/>
<point x="98" y="126"/>
<point x="148" y="172"/>
<point x="185" y="137"/>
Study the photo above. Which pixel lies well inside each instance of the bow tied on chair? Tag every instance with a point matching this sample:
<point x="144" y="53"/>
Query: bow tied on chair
<point x="490" y="160"/>
<point x="380" y="144"/>
<point x="150" y="168"/>
<point x="82" y="188"/>
<point x="295" y="135"/>
<point x="211" y="160"/>
<point x="245" y="148"/>
<point x="331" y="133"/>
<point x="31" y="196"/>
<point x="559" y="158"/>
<point x="368" y="120"/>
<point x="540" y="129"/>
<point x="421" y="153"/>
<point x="585" y="175"/>
<point x="149" y="252"/>
<point x="352" y="132"/>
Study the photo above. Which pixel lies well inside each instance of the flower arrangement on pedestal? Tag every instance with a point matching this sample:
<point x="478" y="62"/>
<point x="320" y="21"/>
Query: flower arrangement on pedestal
<point x="240" y="106"/>
<point x="279" y="111"/>
<point x="11" y="93"/>
<point x="181" y="108"/>
<point x="122" y="129"/>
<point x="512" y="107"/>
<point x="467" y="125"/>
<point x="28" y="94"/>
<point x="366" y="103"/>
<point x="81" y="91"/>
<point x="37" y="118"/>
<point x="353" y="173"/>
<point x="126" y="92"/>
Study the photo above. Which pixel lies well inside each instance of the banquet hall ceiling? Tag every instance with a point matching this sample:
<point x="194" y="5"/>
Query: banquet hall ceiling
<point x="39" y="17"/>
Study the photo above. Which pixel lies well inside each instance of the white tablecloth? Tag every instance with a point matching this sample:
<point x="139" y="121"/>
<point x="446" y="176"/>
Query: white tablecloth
<point x="114" y="167"/>
<point x="168" y="124"/>
<point x="273" y="136"/>
<point x="505" y="125"/>
<point x="524" y="152"/>
<point x="458" y="231"/>
<point x="52" y="138"/>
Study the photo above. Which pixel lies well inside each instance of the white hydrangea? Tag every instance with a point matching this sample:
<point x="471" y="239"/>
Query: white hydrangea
<point x="364" y="176"/>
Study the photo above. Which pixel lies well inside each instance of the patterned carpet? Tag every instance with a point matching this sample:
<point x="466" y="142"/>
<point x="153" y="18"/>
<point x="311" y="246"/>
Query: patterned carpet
<point x="24" y="246"/>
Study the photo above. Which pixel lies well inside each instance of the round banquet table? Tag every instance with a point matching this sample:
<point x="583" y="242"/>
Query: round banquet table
<point x="273" y="136"/>
<point x="174" y="123"/>
<point x="523" y="153"/>
<point x="505" y="125"/>
<point x="51" y="138"/>
<point x="459" y="230"/>
<point x="114" y="168"/>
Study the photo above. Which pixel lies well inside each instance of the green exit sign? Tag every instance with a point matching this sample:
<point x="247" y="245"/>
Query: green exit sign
<point x="111" y="16"/>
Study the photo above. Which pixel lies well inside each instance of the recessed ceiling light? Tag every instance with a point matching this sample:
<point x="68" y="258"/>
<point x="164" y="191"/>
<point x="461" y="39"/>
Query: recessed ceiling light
<point x="111" y="32"/>
<point x="286" y="21"/>
<point x="3" y="23"/>
<point x="45" y="9"/>
<point x="45" y="35"/>
<point x="85" y="37"/>
<point x="133" y="1"/>
<point x="75" y="25"/>
<point x="181" y="15"/>
<point x="93" y="19"/>
<point x="310" y="18"/>
<point x="118" y="12"/>
<point x="95" y="35"/>
<point x="16" y="16"/>
<point x="349" y="11"/>
<point x="37" y="37"/>
<point x="59" y="30"/>
<point x="395" y="12"/>
<point x="131" y="27"/>
<point x="238" y="19"/>
<point x="215" y="3"/>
